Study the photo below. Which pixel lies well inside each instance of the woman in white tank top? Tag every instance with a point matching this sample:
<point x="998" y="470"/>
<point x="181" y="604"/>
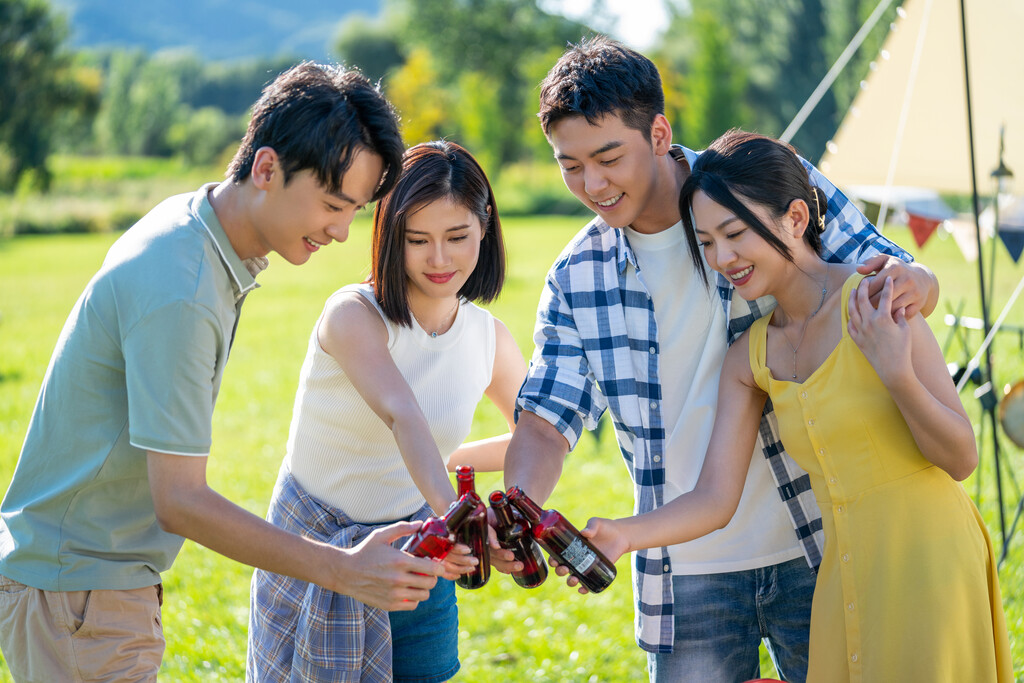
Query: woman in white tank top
<point x="393" y="374"/>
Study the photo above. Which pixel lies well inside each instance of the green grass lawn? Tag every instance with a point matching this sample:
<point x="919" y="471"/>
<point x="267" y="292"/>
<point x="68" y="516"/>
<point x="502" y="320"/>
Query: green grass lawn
<point x="506" y="633"/>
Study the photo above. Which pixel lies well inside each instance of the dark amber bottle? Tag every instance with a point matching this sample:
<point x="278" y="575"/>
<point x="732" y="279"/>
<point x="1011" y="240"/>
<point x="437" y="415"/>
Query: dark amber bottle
<point x="514" y="534"/>
<point x="473" y="532"/>
<point x="437" y="535"/>
<point x="564" y="542"/>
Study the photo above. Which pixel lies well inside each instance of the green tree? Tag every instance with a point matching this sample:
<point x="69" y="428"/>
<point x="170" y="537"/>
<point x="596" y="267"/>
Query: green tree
<point x="715" y="83"/>
<point x="480" y="120"/>
<point x="141" y="102"/>
<point x="38" y="84"/>
<point x="490" y="37"/>
<point x="416" y="94"/>
<point x="370" y="45"/>
<point x="780" y="50"/>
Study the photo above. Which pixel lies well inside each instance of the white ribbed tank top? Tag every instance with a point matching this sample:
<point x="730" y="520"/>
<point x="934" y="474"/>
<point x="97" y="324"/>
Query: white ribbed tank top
<point x="342" y="453"/>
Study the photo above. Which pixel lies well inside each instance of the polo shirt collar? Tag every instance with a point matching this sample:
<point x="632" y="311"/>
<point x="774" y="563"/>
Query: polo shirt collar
<point x="243" y="272"/>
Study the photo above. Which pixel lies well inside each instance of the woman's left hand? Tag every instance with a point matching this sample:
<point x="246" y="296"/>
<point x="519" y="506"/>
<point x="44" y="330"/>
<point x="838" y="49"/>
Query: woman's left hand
<point x="915" y="288"/>
<point x="882" y="333"/>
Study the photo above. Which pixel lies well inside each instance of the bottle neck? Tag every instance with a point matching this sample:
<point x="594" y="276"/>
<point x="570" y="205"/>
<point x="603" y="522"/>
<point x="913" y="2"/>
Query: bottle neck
<point x="530" y="509"/>
<point x="464" y="477"/>
<point x="458" y="512"/>
<point x="502" y="510"/>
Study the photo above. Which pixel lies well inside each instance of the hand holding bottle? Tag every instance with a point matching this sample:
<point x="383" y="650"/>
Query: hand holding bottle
<point x="564" y="543"/>
<point x="502" y="559"/>
<point x="458" y="562"/>
<point x="604" y="534"/>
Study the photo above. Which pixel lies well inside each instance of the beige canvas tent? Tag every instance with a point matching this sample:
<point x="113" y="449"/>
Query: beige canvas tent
<point x="908" y="124"/>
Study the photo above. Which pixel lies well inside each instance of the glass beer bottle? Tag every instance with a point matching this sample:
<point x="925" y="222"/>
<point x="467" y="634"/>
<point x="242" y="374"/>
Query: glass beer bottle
<point x="564" y="542"/>
<point x="473" y="532"/>
<point x="514" y="534"/>
<point x="437" y="535"/>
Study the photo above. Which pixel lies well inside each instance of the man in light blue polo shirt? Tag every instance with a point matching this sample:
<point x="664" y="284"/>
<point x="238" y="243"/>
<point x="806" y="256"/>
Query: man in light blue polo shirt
<point x="112" y="475"/>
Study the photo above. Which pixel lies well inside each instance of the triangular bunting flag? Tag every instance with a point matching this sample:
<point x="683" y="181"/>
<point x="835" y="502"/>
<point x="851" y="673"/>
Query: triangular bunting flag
<point x="921" y="228"/>
<point x="1011" y="226"/>
<point x="963" y="232"/>
<point x="1014" y="241"/>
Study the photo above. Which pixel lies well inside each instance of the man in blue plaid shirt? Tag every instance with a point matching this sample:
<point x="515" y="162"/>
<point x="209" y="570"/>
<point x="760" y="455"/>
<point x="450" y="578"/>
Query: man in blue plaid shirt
<point x="626" y="324"/>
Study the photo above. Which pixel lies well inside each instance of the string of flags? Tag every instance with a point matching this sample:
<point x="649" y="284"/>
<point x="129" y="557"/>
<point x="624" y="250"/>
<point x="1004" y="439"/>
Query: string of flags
<point x="926" y="215"/>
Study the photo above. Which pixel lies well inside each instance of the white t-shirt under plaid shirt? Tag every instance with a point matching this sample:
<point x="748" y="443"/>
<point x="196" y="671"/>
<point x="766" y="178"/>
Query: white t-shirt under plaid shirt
<point x="597" y="348"/>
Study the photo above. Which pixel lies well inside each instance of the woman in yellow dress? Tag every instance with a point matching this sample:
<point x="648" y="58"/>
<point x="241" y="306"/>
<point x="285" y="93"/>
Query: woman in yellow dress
<point x="907" y="589"/>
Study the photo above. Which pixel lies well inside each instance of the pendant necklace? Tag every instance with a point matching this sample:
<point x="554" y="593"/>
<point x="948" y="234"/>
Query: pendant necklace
<point x="444" y="326"/>
<point x="803" y="330"/>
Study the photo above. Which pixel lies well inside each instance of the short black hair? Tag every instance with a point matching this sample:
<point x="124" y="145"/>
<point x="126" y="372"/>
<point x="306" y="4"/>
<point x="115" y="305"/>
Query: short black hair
<point x="600" y="76"/>
<point x="317" y="116"/>
<point x="762" y="170"/>
<point x="432" y="171"/>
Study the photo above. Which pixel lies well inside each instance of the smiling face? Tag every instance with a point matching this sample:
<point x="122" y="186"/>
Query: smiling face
<point x="298" y="218"/>
<point x="737" y="251"/>
<point x="616" y="171"/>
<point x="442" y="247"/>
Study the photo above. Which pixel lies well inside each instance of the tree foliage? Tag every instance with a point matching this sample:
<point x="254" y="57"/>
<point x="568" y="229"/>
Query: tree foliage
<point x="467" y="70"/>
<point x="371" y="45"/>
<point x="38" y="85"/>
<point x="491" y="38"/>
<point x="754" y="63"/>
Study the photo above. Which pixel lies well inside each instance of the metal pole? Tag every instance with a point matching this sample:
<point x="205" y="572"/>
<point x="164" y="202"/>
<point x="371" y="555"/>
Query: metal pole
<point x="981" y="271"/>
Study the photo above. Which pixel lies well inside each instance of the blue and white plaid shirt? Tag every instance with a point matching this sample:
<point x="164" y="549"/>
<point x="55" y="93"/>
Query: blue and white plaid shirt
<point x="597" y="348"/>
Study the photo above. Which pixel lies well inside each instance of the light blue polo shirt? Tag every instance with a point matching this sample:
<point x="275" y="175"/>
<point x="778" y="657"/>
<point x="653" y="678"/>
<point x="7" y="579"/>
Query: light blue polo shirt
<point x="137" y="367"/>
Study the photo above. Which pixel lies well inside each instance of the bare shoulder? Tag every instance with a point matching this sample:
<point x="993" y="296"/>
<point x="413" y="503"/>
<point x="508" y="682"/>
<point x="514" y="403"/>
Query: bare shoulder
<point x="737" y="362"/>
<point x="349" y="318"/>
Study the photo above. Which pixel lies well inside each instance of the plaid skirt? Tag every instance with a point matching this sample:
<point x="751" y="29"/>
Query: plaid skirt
<point x="299" y="631"/>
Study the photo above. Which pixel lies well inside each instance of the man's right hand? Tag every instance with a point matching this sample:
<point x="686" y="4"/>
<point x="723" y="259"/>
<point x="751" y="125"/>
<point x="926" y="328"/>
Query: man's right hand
<point x="379" y="575"/>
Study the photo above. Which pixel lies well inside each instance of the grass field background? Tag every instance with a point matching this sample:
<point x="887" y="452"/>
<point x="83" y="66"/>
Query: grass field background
<point x="506" y="633"/>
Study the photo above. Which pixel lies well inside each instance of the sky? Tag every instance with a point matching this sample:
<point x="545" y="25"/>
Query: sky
<point x="637" y="22"/>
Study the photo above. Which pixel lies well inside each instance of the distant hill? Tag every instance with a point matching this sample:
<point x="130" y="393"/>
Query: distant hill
<point x="214" y="29"/>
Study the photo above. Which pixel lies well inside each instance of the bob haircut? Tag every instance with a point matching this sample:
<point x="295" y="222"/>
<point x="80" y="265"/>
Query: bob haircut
<point x="317" y="117"/>
<point x="598" y="77"/>
<point x="432" y="171"/>
<point x="757" y="169"/>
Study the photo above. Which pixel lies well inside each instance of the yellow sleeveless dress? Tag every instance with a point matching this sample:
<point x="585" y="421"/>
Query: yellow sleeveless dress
<point x="907" y="589"/>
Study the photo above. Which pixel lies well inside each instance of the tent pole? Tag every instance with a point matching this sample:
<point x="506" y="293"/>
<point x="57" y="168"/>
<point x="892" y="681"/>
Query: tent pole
<point x="990" y="411"/>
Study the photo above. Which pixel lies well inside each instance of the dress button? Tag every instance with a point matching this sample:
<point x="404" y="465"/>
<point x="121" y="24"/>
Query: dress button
<point x="850" y="607"/>
<point x="821" y="451"/>
<point x="832" y="480"/>
<point x="656" y="458"/>
<point x="839" y="509"/>
<point x="654" y="404"/>
<point x="853" y="657"/>
<point x="811" y="422"/>
<point x="846" y="557"/>
<point x="803" y="394"/>
<point x="651" y="349"/>
<point x="665" y="568"/>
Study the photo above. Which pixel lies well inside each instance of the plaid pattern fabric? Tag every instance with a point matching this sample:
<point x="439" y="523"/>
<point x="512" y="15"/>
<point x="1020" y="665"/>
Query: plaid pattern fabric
<point x="597" y="349"/>
<point x="301" y="631"/>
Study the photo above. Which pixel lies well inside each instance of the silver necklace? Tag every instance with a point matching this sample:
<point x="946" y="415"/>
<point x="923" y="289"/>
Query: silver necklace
<point x="803" y="329"/>
<point x="445" y="324"/>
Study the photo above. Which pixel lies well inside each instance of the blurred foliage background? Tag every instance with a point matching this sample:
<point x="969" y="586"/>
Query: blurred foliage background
<point x="467" y="70"/>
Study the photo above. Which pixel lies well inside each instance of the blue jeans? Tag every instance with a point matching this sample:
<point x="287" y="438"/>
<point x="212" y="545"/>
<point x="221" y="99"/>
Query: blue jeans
<point x="425" y="641"/>
<point x="721" y="619"/>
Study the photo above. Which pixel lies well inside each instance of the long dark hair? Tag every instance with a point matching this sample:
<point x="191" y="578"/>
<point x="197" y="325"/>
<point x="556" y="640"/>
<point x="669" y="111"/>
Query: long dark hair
<point x="762" y="170"/>
<point x="433" y="171"/>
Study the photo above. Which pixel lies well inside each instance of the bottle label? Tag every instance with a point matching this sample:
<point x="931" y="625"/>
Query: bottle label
<point x="578" y="556"/>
